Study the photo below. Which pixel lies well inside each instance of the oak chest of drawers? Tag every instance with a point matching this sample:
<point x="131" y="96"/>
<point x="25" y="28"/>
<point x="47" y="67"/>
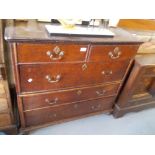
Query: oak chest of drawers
<point x="62" y="78"/>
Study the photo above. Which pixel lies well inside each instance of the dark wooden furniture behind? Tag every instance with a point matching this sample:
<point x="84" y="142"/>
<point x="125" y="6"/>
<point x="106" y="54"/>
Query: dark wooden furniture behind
<point x="7" y="121"/>
<point x="139" y="90"/>
<point x="62" y="78"/>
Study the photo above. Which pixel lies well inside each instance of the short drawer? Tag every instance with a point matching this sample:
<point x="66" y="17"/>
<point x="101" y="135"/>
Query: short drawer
<point x="68" y="111"/>
<point x="112" y="53"/>
<point x="60" y="76"/>
<point x="141" y="99"/>
<point x="40" y="100"/>
<point x="149" y="71"/>
<point x="5" y="119"/>
<point x="29" y="53"/>
<point x="143" y="85"/>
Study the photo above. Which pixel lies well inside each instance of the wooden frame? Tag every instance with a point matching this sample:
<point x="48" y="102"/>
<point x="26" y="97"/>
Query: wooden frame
<point x="125" y="103"/>
<point x="10" y="127"/>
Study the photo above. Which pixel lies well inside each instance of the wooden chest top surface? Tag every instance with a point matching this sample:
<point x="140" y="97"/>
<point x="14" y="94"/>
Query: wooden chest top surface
<point x="22" y="33"/>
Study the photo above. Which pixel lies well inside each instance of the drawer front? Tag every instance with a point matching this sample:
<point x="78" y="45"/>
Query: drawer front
<point x="60" y="76"/>
<point x="149" y="71"/>
<point x="3" y="104"/>
<point x="2" y="90"/>
<point x="143" y="85"/>
<point x="142" y="99"/>
<point x="5" y="120"/>
<point x="29" y="53"/>
<point x="57" y="113"/>
<point x="112" y="53"/>
<point x="56" y="98"/>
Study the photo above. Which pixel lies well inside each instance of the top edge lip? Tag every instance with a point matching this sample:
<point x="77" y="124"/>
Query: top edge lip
<point x="9" y="39"/>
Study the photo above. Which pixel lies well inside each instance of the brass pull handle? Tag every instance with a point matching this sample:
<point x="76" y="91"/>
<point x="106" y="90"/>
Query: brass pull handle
<point x="56" y="52"/>
<point x="84" y="67"/>
<point x="52" y="115"/>
<point x="101" y="93"/>
<point x="107" y="73"/>
<point x="53" y="79"/>
<point x="79" y="92"/>
<point x="96" y="107"/>
<point x="51" y="55"/>
<point x="51" y="102"/>
<point x="115" y="54"/>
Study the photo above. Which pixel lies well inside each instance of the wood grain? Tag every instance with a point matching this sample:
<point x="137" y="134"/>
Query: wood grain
<point x="102" y="52"/>
<point x="30" y="53"/>
<point x="75" y="83"/>
<point x="137" y="24"/>
<point x="138" y="91"/>
<point x="72" y="75"/>
<point x="5" y="120"/>
<point x="43" y="116"/>
<point x="48" y="99"/>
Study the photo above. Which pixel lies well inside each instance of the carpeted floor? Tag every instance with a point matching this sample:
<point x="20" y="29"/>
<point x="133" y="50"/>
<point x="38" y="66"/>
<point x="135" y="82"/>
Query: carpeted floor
<point x="138" y="123"/>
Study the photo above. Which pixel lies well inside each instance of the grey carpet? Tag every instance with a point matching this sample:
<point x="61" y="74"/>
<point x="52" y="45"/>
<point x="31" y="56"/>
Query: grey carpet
<point x="137" y="123"/>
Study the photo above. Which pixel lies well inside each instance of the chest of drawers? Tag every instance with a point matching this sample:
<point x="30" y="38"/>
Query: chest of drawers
<point x="62" y="78"/>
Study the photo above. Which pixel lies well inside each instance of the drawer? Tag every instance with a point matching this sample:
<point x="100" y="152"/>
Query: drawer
<point x="149" y="71"/>
<point x="60" y="76"/>
<point x="3" y="104"/>
<point x="2" y="90"/>
<point x="29" y="53"/>
<point x="5" y="120"/>
<point x="143" y="85"/>
<point x="57" y="113"/>
<point x="112" y="53"/>
<point x="141" y="99"/>
<point x="40" y="100"/>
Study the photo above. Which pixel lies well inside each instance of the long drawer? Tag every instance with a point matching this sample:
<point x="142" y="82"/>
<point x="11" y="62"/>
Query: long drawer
<point x="57" y="113"/>
<point x="29" y="53"/>
<point x="112" y="53"/>
<point x="60" y="76"/>
<point x="40" y="100"/>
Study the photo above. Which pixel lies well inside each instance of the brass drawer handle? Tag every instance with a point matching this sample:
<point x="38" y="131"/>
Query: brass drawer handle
<point x="107" y="73"/>
<point x="96" y="107"/>
<point x="52" y="115"/>
<point x="101" y="93"/>
<point x="84" y="67"/>
<point x="79" y="92"/>
<point x="56" y="52"/>
<point x="53" y="79"/>
<point x="51" y="55"/>
<point x="51" y="102"/>
<point x="115" y="54"/>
